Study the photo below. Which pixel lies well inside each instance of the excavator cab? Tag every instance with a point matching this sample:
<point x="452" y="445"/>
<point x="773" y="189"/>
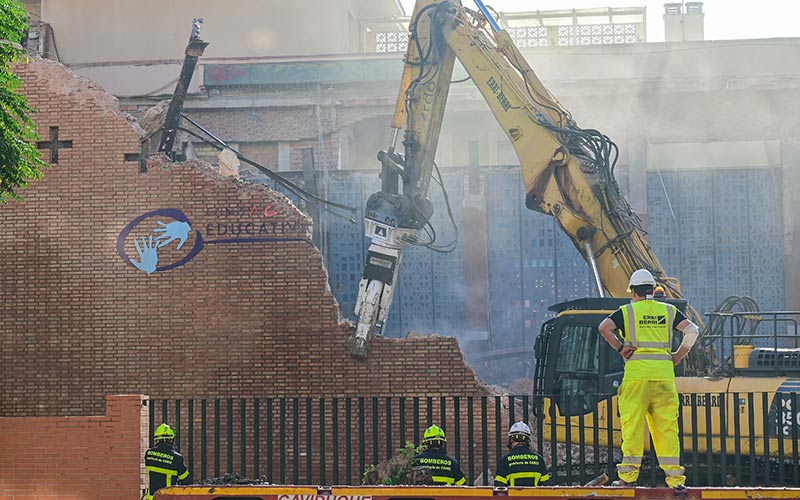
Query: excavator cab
<point x="575" y="367"/>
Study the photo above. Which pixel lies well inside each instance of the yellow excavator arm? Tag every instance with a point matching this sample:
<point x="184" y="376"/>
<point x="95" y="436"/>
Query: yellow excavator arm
<point x="567" y="170"/>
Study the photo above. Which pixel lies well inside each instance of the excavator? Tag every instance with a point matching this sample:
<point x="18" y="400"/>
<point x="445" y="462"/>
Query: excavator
<point x="568" y="172"/>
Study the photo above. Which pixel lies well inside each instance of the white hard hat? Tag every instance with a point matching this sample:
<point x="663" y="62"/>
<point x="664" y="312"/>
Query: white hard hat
<point x="520" y="429"/>
<point x="641" y="277"/>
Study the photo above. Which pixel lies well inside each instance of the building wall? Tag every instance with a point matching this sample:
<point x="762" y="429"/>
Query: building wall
<point x="685" y="107"/>
<point x="76" y="457"/>
<point x="242" y="318"/>
<point x="95" y="31"/>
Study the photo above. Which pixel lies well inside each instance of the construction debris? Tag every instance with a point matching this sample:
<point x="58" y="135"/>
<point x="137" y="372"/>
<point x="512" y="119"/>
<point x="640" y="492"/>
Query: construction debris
<point x="234" y="478"/>
<point x="398" y="470"/>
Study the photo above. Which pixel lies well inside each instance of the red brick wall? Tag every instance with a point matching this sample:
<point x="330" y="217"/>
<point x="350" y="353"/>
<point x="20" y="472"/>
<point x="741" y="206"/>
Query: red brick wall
<point x="239" y="319"/>
<point x="75" y="457"/>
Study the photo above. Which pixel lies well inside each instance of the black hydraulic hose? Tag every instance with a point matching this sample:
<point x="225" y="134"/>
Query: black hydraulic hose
<point x="302" y="193"/>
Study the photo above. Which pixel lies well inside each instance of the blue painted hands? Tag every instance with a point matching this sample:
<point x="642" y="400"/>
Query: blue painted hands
<point x="173" y="231"/>
<point x="148" y="255"/>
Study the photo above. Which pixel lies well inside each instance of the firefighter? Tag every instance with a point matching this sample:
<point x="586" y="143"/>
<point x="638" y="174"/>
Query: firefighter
<point x="648" y="389"/>
<point x="521" y="466"/>
<point x="444" y="468"/>
<point x="165" y="466"/>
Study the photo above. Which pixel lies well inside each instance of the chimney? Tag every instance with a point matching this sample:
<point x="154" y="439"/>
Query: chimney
<point x="683" y="22"/>
<point x="693" y="21"/>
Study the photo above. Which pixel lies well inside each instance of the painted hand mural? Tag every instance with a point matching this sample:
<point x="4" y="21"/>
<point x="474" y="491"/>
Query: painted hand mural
<point x="148" y="255"/>
<point x="220" y="230"/>
<point x="176" y="230"/>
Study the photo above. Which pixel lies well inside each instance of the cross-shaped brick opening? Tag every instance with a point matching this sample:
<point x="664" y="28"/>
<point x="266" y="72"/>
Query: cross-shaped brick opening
<point x="53" y="145"/>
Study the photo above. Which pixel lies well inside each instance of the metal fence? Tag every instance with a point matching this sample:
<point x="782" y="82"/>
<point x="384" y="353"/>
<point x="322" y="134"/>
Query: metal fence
<point x="327" y="441"/>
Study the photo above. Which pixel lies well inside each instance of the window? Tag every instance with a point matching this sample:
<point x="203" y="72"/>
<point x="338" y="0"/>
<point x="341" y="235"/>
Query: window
<point x="577" y="370"/>
<point x="578" y="352"/>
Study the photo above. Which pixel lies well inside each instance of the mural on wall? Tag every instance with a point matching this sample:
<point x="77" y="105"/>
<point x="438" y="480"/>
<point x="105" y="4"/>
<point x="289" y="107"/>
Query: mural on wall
<point x="169" y="230"/>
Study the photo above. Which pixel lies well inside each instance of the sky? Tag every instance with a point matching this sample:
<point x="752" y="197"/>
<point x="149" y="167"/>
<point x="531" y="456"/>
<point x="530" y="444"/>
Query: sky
<point x="724" y="19"/>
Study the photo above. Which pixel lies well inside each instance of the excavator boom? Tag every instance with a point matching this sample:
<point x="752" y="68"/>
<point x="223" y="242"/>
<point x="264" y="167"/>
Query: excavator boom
<point x="567" y="171"/>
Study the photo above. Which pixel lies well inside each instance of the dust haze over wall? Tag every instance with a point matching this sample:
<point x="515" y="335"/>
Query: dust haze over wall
<point x="224" y="315"/>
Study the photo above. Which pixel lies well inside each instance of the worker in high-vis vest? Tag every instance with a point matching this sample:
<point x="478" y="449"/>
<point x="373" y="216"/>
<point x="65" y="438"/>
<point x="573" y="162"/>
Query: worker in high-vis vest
<point x="445" y="470"/>
<point x="647" y="392"/>
<point x="165" y="466"/>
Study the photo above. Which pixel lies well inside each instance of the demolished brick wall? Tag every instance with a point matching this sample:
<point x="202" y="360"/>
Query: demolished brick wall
<point x="243" y="317"/>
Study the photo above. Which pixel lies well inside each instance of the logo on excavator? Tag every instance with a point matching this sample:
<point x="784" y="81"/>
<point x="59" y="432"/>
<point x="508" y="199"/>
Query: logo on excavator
<point x="784" y="414"/>
<point x="501" y="97"/>
<point x="427" y="100"/>
<point x="712" y="400"/>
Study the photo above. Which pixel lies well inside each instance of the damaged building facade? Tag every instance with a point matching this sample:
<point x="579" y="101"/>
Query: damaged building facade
<point x="708" y="148"/>
<point x="118" y="281"/>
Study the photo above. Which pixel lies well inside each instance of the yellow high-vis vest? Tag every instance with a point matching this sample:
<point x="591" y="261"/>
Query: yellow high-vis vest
<point x="648" y="327"/>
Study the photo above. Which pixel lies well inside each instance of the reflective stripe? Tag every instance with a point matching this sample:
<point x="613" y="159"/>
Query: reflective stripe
<point x="627" y="468"/>
<point x="525" y="475"/>
<point x="461" y="481"/>
<point x="655" y="345"/>
<point x="184" y="475"/>
<point x="501" y="479"/>
<point x="630" y="328"/>
<point x="443" y="479"/>
<point x="674" y="472"/>
<point x="669" y="461"/>
<point x="632" y="460"/>
<point x="655" y="357"/>
<point x="671" y="319"/>
<point x="167" y="472"/>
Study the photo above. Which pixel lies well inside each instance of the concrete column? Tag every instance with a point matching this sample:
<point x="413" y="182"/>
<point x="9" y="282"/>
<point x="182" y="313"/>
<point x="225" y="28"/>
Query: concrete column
<point x="284" y="156"/>
<point x="791" y="224"/>
<point x="476" y="260"/>
<point x="637" y="176"/>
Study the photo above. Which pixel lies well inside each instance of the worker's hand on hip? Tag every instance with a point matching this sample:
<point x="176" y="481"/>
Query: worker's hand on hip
<point x="627" y="351"/>
<point x="676" y="358"/>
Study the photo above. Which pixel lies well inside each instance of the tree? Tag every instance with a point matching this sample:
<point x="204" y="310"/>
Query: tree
<point x="20" y="161"/>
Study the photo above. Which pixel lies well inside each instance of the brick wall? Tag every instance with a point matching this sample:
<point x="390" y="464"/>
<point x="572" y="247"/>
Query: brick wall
<point x="243" y="318"/>
<point x="76" y="457"/>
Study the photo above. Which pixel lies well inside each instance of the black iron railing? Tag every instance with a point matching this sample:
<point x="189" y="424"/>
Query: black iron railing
<point x="326" y="441"/>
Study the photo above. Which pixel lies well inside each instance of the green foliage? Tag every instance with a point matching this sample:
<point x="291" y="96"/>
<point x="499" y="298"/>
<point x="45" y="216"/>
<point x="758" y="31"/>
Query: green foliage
<point x="369" y="470"/>
<point x="20" y="161"/>
<point x="408" y="452"/>
<point x="393" y="472"/>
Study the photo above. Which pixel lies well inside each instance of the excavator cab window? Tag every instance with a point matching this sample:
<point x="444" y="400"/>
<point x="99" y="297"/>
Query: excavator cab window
<point x="575" y="366"/>
<point x="576" y="373"/>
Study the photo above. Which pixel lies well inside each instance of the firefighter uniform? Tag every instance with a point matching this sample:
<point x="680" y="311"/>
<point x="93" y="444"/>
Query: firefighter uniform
<point x="165" y="467"/>
<point x="521" y="467"/>
<point x="444" y="468"/>
<point x="647" y="392"/>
